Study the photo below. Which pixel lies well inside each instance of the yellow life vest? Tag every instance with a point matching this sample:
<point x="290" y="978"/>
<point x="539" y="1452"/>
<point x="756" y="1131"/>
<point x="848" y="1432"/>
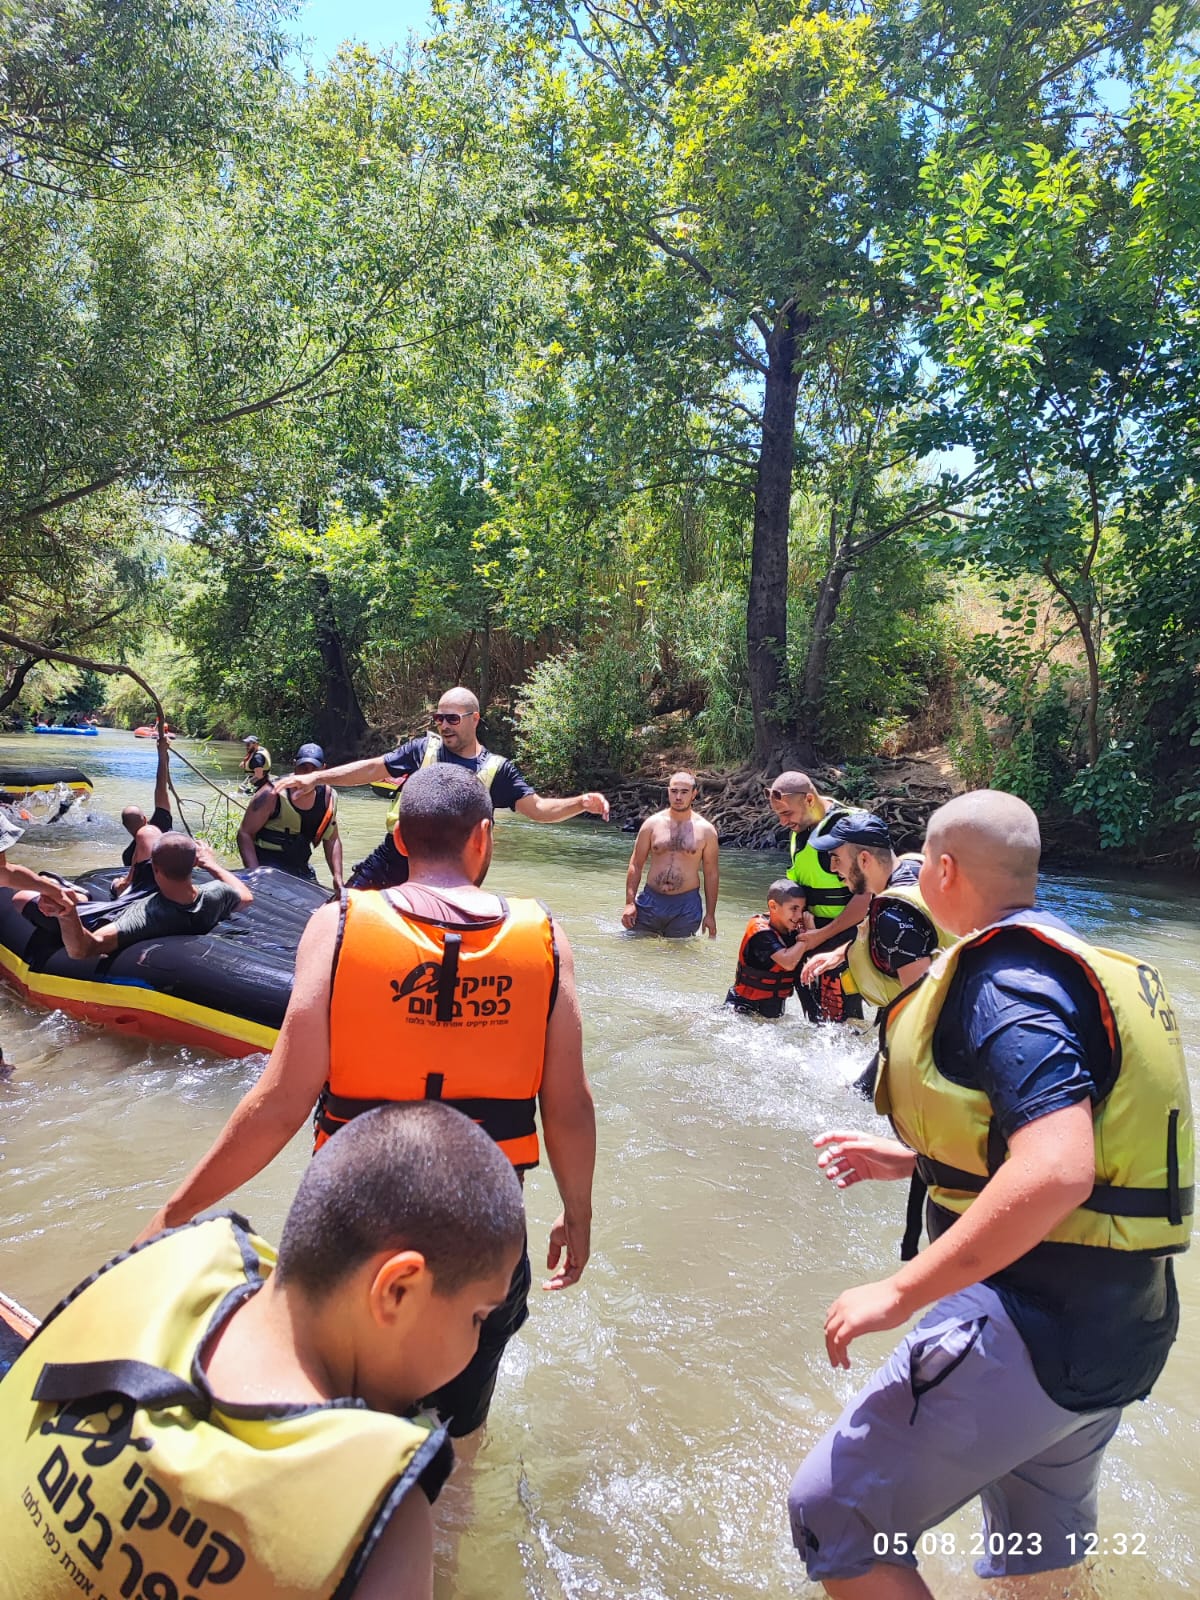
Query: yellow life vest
<point x="873" y="983"/>
<point x="291" y="835"/>
<point x="486" y="774"/>
<point x="122" y="1474"/>
<point x="1145" y="1150"/>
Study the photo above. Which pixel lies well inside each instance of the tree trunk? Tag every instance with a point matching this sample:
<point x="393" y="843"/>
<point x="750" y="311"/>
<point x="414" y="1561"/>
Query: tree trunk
<point x="339" y="725"/>
<point x="485" y="667"/>
<point x="809" y="721"/>
<point x="766" y="608"/>
<point x="12" y="690"/>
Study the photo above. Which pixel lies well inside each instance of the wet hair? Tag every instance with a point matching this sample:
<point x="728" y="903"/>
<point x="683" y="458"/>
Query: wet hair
<point x="174" y="856"/>
<point x="133" y="818"/>
<point x="683" y="773"/>
<point x="783" y="890"/>
<point x="442" y="806"/>
<point x="420" y="1176"/>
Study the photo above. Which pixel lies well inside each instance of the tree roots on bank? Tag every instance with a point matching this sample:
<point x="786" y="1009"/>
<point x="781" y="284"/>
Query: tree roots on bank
<point x="736" y="802"/>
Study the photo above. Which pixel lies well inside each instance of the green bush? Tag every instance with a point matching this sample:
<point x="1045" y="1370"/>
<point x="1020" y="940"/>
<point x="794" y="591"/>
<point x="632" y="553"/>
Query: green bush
<point x="706" y="635"/>
<point x="894" y="639"/>
<point x="1115" y="792"/>
<point x="577" y="713"/>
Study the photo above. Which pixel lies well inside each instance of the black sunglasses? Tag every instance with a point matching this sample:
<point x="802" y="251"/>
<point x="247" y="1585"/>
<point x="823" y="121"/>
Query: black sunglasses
<point x="451" y="718"/>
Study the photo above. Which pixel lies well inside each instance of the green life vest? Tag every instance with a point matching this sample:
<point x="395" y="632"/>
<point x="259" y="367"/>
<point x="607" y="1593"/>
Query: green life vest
<point x="486" y="773"/>
<point x="1145" y="1150"/>
<point x="826" y="896"/>
<point x="122" y="1474"/>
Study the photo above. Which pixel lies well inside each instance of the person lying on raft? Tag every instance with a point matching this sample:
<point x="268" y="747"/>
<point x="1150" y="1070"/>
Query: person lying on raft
<point x="770" y="953"/>
<point x="679" y="846"/>
<point x="247" y="1416"/>
<point x="454" y="743"/>
<point x="282" y="829"/>
<point x="177" y="906"/>
<point x="27" y="883"/>
<point x="146" y="832"/>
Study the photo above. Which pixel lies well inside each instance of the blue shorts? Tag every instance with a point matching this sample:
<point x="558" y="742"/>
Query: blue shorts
<point x="956" y="1411"/>
<point x="674" y="916"/>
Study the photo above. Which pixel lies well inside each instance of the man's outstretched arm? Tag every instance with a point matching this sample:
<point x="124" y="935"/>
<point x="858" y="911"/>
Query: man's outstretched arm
<point x="372" y="770"/>
<point x="568" y="1128"/>
<point x="271" y="1112"/>
<point x="540" y="808"/>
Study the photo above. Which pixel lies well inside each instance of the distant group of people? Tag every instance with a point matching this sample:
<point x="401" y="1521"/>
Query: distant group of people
<point x="847" y="923"/>
<point x="1036" y="1086"/>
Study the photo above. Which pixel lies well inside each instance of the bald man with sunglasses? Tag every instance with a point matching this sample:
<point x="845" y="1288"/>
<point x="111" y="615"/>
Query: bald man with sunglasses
<point x="454" y="739"/>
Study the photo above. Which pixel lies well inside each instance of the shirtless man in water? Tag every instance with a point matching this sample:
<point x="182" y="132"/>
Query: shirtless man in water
<point x="680" y="845"/>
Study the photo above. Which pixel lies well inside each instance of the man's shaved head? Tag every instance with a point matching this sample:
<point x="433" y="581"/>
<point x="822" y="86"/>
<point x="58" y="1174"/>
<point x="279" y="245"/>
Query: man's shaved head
<point x="459" y="699"/>
<point x="981" y="859"/>
<point x="989" y="833"/>
<point x="133" y="818"/>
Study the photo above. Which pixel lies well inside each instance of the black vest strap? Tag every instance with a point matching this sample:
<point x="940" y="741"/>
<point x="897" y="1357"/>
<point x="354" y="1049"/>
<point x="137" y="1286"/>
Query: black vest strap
<point x="151" y="1387"/>
<point x="1108" y="1200"/>
<point x="501" y="1119"/>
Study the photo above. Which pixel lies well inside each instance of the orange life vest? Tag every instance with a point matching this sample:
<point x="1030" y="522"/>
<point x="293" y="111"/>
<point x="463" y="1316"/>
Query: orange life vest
<point x="422" y="1010"/>
<point x="751" y="983"/>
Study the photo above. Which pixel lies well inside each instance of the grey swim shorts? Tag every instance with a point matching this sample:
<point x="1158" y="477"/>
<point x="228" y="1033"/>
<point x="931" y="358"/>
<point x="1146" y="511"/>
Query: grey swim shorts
<point x="675" y="916"/>
<point x="956" y="1411"/>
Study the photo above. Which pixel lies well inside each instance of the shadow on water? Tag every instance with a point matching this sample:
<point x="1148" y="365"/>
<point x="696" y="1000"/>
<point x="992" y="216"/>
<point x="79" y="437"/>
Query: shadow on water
<point x="647" y="1423"/>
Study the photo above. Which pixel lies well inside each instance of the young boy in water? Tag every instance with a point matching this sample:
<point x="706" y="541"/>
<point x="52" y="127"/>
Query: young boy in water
<point x="204" y="1413"/>
<point x="769" y="953"/>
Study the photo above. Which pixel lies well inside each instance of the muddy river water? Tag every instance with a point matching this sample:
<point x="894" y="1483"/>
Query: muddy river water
<point x="647" y="1422"/>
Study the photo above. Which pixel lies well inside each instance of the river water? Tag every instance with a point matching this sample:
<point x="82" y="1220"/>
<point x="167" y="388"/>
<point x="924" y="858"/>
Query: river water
<point x="647" y="1422"/>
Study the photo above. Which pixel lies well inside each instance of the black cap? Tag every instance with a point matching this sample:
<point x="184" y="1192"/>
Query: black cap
<point x="861" y="828"/>
<point x="310" y="755"/>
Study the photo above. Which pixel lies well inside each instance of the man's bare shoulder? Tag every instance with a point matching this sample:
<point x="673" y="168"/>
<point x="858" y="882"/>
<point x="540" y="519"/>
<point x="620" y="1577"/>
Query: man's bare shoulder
<point x="704" y="827"/>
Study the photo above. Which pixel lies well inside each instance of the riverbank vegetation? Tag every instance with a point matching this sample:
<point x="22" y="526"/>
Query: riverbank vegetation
<point x="780" y="385"/>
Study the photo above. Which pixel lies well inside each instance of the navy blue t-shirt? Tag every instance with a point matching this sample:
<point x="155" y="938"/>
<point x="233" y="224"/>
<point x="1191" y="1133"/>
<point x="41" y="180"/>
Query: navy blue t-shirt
<point x="508" y="786"/>
<point x="1022" y="1023"/>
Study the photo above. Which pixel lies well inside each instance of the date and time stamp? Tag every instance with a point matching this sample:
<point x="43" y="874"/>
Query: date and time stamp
<point x="935" y="1542"/>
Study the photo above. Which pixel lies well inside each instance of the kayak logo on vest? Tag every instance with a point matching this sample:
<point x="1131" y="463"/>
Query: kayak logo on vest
<point x="1155" y="995"/>
<point x="475" y="998"/>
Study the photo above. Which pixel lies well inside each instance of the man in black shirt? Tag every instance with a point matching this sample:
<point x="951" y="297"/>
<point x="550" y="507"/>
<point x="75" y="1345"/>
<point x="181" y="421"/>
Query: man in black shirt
<point x="146" y="833"/>
<point x="456" y="721"/>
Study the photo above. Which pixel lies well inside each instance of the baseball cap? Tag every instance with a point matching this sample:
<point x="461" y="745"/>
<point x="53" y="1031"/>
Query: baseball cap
<point x="251" y="738"/>
<point x="861" y="828"/>
<point x="9" y="832"/>
<point x="310" y="755"/>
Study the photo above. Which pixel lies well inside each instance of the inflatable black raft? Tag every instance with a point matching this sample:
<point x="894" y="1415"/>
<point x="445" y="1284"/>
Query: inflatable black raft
<point x="225" y="991"/>
<point x="16" y="783"/>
